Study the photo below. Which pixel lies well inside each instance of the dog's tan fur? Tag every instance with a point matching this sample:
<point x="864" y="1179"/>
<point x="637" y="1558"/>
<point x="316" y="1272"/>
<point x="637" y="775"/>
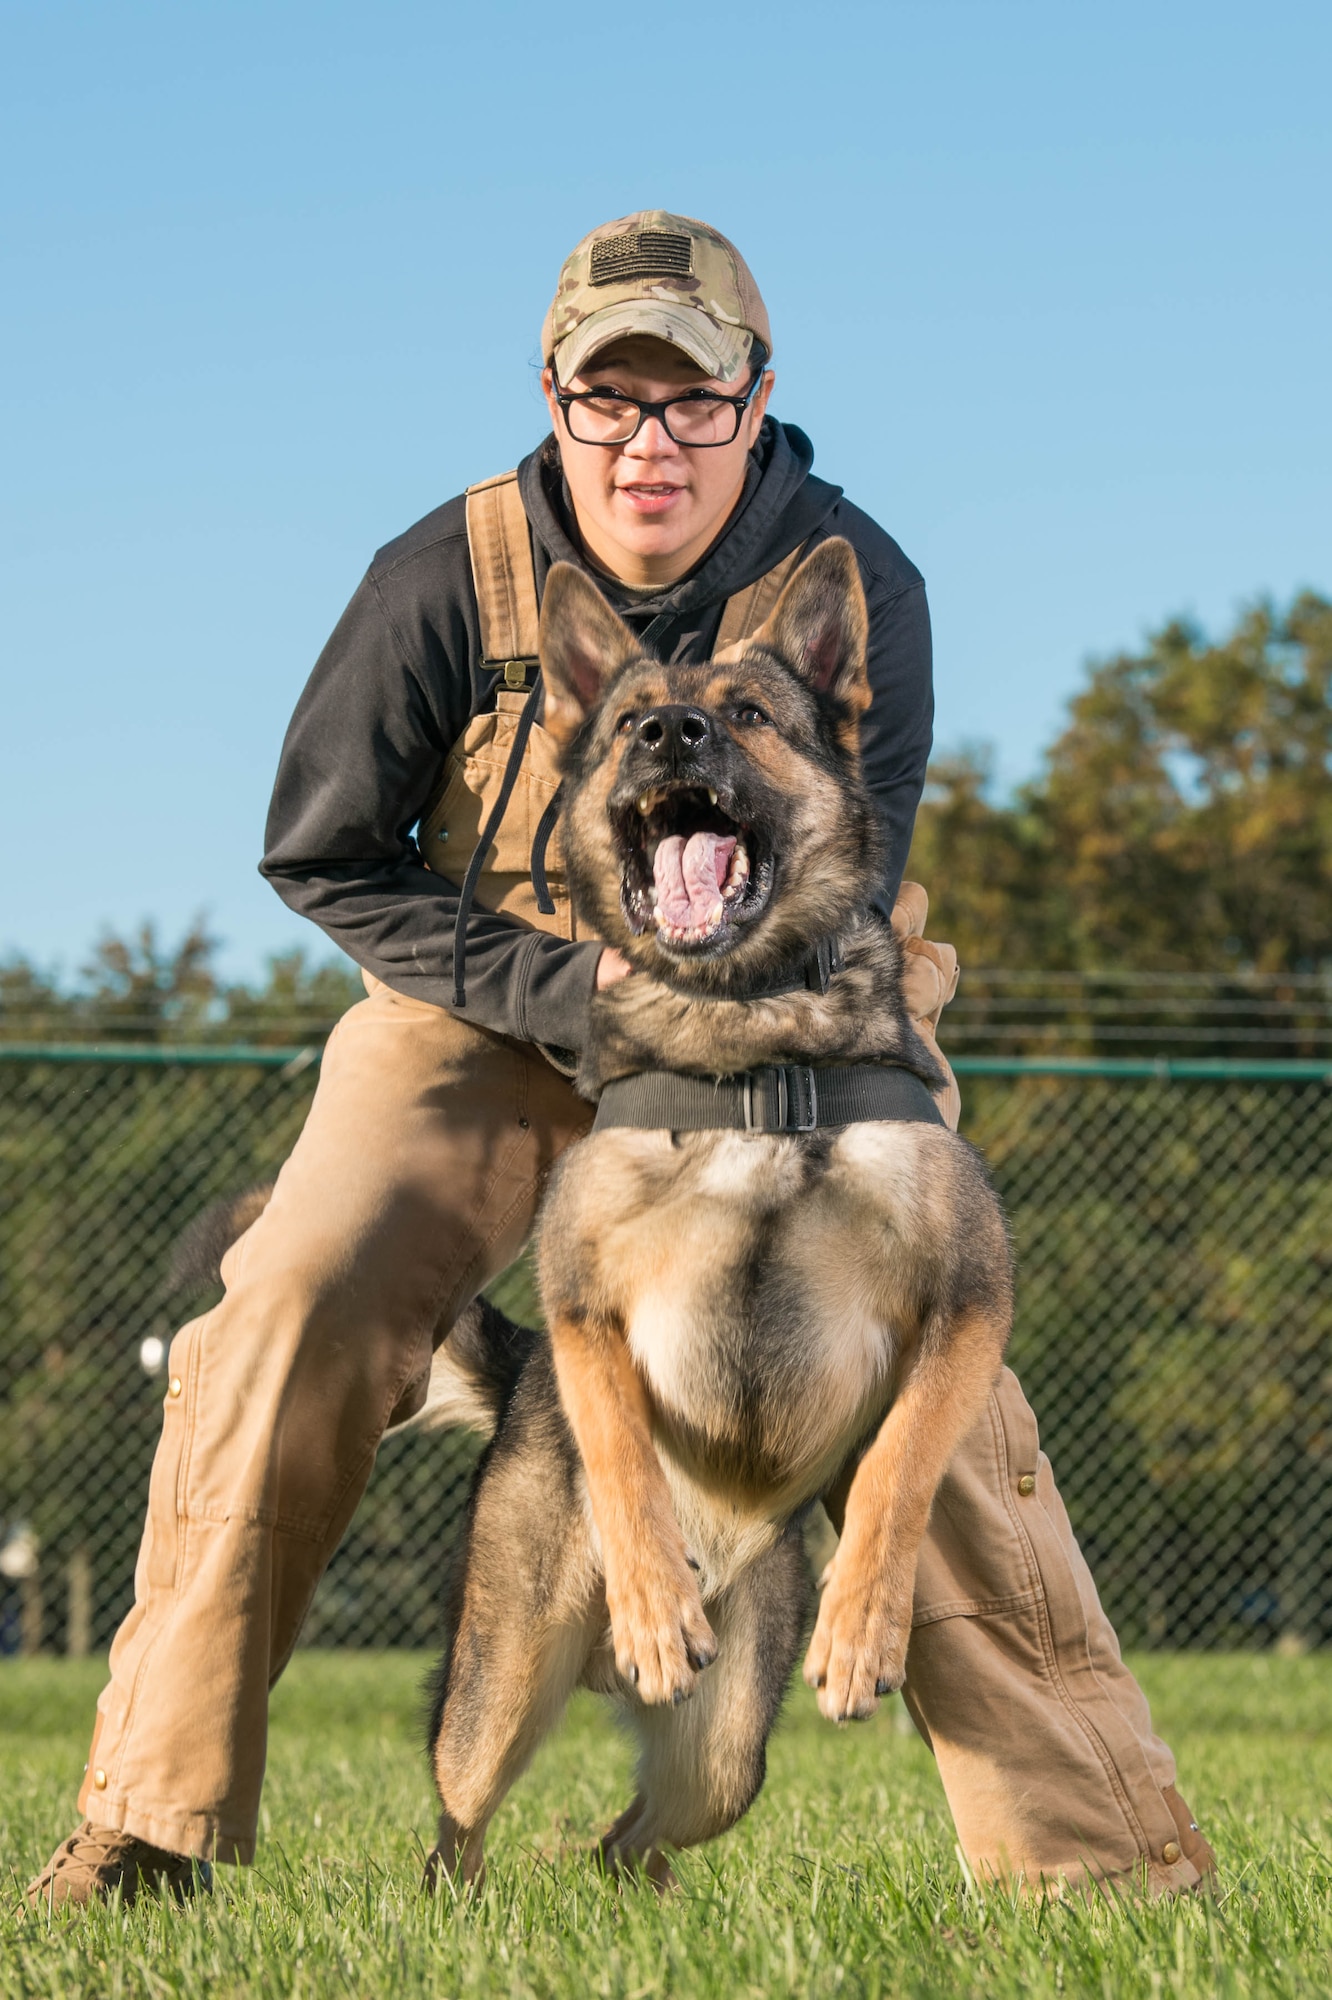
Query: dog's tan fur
<point x="734" y="1318"/>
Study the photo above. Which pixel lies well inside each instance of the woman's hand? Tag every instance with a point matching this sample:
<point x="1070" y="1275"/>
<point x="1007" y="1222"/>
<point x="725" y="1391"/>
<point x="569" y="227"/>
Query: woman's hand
<point x="611" y="966"/>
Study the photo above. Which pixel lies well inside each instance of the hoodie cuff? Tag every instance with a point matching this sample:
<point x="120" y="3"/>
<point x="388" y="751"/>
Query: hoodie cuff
<point x="555" y="991"/>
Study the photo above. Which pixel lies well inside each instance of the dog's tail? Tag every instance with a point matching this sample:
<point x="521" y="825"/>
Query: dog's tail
<point x="476" y="1365"/>
<point x="475" y="1370"/>
<point x="197" y="1258"/>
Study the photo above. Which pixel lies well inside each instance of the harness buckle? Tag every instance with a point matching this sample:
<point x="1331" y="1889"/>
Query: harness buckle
<point x="797" y="1108"/>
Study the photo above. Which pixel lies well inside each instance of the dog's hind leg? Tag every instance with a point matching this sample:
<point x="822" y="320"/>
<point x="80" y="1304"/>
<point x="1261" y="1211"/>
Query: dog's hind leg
<point x="526" y="1609"/>
<point x="702" y="1764"/>
<point x="506" y="1698"/>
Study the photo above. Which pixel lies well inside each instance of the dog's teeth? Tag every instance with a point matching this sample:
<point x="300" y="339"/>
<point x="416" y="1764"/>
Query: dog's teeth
<point x="712" y="796"/>
<point x="645" y="805"/>
<point x="716" y="913"/>
<point x="736" y="875"/>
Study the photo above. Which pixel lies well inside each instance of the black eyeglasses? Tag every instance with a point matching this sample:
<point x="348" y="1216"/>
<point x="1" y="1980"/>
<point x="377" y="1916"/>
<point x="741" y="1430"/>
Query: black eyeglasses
<point x="699" y="419"/>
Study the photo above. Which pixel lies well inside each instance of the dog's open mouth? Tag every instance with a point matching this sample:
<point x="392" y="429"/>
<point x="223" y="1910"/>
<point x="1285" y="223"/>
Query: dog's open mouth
<point x="692" y="870"/>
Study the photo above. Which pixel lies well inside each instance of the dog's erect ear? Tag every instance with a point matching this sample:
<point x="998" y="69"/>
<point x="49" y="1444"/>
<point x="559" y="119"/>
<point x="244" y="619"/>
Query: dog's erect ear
<point x="820" y="627"/>
<point x="583" y="645"/>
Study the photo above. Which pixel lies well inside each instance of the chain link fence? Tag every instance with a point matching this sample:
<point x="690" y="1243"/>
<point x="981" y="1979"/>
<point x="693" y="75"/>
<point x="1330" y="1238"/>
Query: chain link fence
<point x="1174" y="1332"/>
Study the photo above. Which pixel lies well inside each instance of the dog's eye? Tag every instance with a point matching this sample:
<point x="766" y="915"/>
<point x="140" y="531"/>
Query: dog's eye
<point x="624" y="725"/>
<point x="749" y="712"/>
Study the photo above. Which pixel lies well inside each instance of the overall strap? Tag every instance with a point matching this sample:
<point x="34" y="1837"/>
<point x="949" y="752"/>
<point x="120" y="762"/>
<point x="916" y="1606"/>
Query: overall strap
<point x="467" y="893"/>
<point x="749" y="608"/>
<point x="500" y="544"/>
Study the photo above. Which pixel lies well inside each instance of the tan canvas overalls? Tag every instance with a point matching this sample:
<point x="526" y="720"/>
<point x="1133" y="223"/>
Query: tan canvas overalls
<point x="415" y="1182"/>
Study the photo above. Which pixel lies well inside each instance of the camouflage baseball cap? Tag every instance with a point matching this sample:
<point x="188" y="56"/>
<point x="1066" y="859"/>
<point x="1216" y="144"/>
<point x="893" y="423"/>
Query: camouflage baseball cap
<point x="659" y="274"/>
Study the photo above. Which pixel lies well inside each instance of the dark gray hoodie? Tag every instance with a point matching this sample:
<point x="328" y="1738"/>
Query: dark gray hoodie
<point x="401" y="678"/>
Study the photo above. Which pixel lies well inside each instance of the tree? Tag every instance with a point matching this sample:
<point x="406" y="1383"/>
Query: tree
<point x="137" y="989"/>
<point x="1182" y="821"/>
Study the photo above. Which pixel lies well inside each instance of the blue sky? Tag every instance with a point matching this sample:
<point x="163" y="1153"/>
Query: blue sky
<point x="1049" y="285"/>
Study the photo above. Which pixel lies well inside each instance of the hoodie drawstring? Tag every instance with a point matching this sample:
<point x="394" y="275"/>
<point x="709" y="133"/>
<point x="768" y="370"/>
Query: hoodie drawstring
<point x="467" y="894"/>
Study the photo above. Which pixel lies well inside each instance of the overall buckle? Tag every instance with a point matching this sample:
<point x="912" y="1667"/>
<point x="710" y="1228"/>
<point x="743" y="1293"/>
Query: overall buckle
<point x="513" y="674"/>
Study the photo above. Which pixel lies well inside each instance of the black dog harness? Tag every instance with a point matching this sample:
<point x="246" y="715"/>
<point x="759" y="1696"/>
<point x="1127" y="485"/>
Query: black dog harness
<point x="779" y="1097"/>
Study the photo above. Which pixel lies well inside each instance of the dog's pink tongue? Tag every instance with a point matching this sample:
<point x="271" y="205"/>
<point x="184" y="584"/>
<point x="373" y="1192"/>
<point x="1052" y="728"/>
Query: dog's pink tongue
<point x="688" y="876"/>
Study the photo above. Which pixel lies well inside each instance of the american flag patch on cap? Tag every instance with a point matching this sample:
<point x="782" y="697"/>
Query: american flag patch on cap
<point x="649" y="253"/>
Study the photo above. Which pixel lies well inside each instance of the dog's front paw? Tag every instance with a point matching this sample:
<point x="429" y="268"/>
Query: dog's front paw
<point x="660" y="1631"/>
<point x="858" y="1651"/>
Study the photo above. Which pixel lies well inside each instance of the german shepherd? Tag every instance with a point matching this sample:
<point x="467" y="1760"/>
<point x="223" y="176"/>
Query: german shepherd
<point x="739" y="1321"/>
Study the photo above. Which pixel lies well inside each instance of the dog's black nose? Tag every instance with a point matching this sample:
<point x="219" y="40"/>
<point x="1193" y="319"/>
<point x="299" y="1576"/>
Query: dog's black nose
<point x="667" y="730"/>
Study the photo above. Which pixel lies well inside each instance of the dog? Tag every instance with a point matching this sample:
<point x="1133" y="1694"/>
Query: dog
<point x="739" y="1320"/>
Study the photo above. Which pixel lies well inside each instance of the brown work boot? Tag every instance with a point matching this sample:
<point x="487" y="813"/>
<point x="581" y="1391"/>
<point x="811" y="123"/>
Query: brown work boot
<point x="97" y="1859"/>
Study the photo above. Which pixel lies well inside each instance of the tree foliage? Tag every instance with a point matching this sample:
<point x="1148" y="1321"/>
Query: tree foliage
<point x="137" y="989"/>
<point x="1182" y="820"/>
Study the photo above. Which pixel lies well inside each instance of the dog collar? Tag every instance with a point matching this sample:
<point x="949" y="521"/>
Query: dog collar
<point x="811" y="974"/>
<point x="779" y="1097"/>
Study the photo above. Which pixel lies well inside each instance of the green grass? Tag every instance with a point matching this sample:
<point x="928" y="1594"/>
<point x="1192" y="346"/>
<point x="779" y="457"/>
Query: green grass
<point x="843" y="1880"/>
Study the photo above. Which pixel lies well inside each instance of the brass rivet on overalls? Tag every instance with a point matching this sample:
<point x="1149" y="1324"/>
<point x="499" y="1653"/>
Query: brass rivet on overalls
<point x="1027" y="1483"/>
<point x="174" y="1386"/>
<point x="1170" y="1853"/>
<point x="443" y="834"/>
<point x="99" y="1779"/>
<point x="522" y="1124"/>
